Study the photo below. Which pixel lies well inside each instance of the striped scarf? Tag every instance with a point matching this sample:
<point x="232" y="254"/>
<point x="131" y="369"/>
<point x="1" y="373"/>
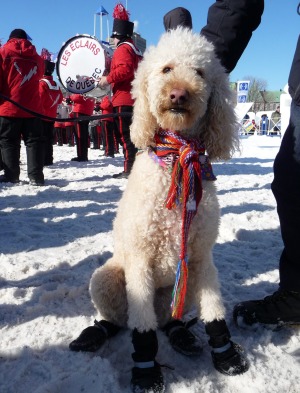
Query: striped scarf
<point x="185" y="191"/>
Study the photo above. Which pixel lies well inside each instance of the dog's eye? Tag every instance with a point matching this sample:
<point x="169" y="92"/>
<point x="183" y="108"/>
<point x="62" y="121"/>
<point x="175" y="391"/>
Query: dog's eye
<point x="166" y="70"/>
<point x="200" y="73"/>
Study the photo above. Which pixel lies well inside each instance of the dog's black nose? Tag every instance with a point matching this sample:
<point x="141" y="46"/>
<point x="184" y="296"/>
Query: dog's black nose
<point x="179" y="96"/>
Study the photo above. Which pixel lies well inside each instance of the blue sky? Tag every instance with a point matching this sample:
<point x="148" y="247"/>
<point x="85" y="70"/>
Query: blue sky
<point x="50" y="23"/>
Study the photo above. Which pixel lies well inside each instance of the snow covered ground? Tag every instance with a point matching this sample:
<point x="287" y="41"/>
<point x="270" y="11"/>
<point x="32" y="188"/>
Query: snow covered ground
<point x="52" y="238"/>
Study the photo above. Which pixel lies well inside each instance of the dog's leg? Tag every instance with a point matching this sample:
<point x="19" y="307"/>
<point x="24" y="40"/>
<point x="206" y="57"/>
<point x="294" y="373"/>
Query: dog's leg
<point x="180" y="337"/>
<point x="228" y="357"/>
<point x="108" y="293"/>
<point x="140" y="295"/>
<point x="146" y="373"/>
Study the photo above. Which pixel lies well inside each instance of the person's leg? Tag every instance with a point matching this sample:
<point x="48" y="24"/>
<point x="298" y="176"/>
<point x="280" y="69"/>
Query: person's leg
<point x="98" y="134"/>
<point x="93" y="136"/>
<point x="128" y="147"/>
<point x="70" y="135"/>
<point x="117" y="136"/>
<point x="283" y="307"/>
<point x="48" y="138"/>
<point x="10" y="139"/>
<point x="32" y="131"/>
<point x="109" y="137"/>
<point x="286" y="189"/>
<point x="81" y="136"/>
<point x="83" y="140"/>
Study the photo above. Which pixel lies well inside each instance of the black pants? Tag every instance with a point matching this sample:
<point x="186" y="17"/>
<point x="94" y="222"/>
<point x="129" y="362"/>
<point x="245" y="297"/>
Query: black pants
<point x="108" y="133"/>
<point x="11" y="130"/>
<point x="123" y="134"/>
<point x="48" y="140"/>
<point x="70" y="135"/>
<point x="95" y="137"/>
<point x="81" y="133"/>
<point x="286" y="189"/>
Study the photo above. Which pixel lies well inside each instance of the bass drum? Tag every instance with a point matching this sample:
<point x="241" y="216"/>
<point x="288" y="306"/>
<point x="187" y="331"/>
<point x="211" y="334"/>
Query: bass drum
<point x="81" y="61"/>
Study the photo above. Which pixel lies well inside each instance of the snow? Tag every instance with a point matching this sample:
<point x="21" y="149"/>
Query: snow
<point x="52" y="238"/>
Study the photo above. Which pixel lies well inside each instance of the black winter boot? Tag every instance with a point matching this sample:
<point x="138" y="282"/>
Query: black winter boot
<point x="181" y="339"/>
<point x="146" y="373"/>
<point x="281" y="308"/>
<point x="93" y="337"/>
<point x="228" y="357"/>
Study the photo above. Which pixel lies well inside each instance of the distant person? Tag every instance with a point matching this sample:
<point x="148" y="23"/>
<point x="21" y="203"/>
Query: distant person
<point x="51" y="97"/>
<point x="264" y="124"/>
<point x="123" y="65"/>
<point x="275" y="117"/>
<point x="21" y="69"/>
<point x="82" y="106"/>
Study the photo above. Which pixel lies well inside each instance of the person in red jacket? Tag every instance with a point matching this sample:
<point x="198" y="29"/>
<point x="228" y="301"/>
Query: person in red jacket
<point x="82" y="106"/>
<point x="108" y="126"/>
<point x="51" y="97"/>
<point x="21" y="69"/>
<point x="123" y="65"/>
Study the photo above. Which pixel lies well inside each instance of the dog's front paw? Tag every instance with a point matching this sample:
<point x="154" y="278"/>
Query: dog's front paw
<point x="232" y="361"/>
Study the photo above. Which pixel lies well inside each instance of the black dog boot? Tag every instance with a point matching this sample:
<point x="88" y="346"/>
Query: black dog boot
<point x="146" y="373"/>
<point x="181" y="339"/>
<point x="228" y="357"/>
<point x="93" y="337"/>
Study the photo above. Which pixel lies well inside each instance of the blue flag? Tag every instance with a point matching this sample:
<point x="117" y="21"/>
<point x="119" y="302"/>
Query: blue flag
<point x="101" y="11"/>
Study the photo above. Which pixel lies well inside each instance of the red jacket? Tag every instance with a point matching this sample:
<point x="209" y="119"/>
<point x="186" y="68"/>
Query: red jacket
<point x="106" y="107"/>
<point x="51" y="95"/>
<point x="82" y="104"/>
<point x="123" y="65"/>
<point x="21" y="69"/>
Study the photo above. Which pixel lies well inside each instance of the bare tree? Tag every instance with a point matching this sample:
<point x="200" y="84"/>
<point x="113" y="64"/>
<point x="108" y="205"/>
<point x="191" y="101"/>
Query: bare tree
<point x="257" y="89"/>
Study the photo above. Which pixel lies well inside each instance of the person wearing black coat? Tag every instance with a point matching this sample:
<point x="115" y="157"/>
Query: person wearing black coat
<point x="283" y="306"/>
<point x="229" y="27"/>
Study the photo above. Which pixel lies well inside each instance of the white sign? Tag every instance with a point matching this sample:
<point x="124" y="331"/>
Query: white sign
<point x="242" y="91"/>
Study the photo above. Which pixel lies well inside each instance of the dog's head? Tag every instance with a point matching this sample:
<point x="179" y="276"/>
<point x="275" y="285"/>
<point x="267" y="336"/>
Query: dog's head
<point x="180" y="85"/>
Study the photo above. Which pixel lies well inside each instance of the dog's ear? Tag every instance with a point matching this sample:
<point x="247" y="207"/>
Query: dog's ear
<point x="219" y="123"/>
<point x="143" y="124"/>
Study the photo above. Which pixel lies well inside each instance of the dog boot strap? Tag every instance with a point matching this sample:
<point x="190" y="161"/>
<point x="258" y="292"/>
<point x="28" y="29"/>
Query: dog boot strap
<point x="108" y="328"/>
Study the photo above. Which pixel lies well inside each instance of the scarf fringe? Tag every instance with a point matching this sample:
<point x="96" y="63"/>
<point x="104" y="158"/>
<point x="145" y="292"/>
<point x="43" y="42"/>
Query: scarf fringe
<point x="179" y="290"/>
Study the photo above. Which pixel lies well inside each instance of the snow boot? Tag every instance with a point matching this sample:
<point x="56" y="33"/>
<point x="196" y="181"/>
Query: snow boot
<point x="281" y="308"/>
<point x="93" y="337"/>
<point x="228" y="357"/>
<point x="181" y="339"/>
<point x="146" y="373"/>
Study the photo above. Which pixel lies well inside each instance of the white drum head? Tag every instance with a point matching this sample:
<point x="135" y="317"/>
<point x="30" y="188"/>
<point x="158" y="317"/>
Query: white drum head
<point x="80" y="62"/>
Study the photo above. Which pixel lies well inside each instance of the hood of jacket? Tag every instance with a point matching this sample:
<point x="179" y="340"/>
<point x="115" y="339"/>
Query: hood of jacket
<point x="20" y="46"/>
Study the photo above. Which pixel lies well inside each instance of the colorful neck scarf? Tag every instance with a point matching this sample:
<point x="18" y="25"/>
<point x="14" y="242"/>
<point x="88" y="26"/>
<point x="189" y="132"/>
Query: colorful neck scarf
<point x="185" y="190"/>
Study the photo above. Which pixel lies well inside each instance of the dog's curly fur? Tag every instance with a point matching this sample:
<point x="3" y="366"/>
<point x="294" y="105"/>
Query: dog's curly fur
<point x="134" y="287"/>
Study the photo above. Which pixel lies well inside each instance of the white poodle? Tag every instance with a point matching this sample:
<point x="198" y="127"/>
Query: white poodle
<point x="168" y="217"/>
